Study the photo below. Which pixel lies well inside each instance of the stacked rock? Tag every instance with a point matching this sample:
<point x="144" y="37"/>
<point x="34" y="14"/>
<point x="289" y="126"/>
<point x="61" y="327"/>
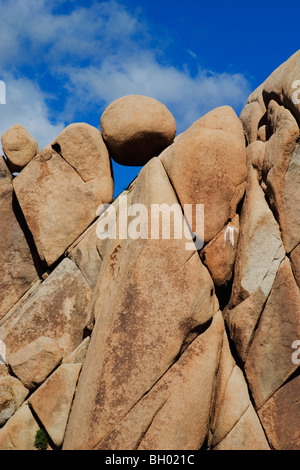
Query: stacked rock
<point x="138" y="342"/>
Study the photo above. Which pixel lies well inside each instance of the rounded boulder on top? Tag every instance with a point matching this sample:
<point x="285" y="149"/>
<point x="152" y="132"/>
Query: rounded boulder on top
<point x="137" y="128"/>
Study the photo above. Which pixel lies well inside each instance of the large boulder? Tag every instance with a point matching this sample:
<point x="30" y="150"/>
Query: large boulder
<point x="59" y="195"/>
<point x="260" y="245"/>
<point x="19" y="147"/>
<point x="169" y="415"/>
<point x="12" y="395"/>
<point x="143" y="323"/>
<point x="34" y="362"/>
<point x="220" y="253"/>
<point x="86" y="256"/>
<point x="20" y="430"/>
<point x="281" y="172"/>
<point x="280" y="416"/>
<point x="281" y="86"/>
<point x="207" y="165"/>
<point x="19" y="265"/>
<point x="57" y="308"/>
<point x="137" y="128"/>
<point x="269" y="362"/>
<point x="82" y="146"/>
<point x="52" y="401"/>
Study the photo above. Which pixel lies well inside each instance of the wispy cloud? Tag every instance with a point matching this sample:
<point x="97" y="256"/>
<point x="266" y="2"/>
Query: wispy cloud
<point x="188" y="97"/>
<point x="94" y="54"/>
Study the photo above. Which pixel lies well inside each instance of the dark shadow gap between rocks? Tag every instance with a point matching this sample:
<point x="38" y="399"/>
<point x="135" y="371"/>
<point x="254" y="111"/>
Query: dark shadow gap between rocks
<point x="40" y="266"/>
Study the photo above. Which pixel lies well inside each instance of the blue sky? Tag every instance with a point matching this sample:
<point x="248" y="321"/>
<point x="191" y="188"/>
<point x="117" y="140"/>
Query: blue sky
<point x="65" y="61"/>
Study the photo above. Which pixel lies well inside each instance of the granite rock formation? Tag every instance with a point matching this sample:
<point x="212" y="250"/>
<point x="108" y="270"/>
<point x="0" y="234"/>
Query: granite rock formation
<point x="154" y="341"/>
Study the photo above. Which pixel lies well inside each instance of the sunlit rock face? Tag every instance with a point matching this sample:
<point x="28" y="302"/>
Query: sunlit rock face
<point x="168" y="318"/>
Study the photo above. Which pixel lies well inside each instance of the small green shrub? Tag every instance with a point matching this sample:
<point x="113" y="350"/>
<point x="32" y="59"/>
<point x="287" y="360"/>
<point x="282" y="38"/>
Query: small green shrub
<point x="41" y="440"/>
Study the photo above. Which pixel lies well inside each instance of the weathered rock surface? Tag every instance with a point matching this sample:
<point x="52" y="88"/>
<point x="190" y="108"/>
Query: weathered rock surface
<point x="19" y="147"/>
<point x="12" y="395"/>
<point x="255" y="154"/>
<point x="58" y="309"/>
<point x="220" y="253"/>
<point x="283" y="85"/>
<point x="78" y="355"/>
<point x="109" y="247"/>
<point x="57" y="202"/>
<point x="20" y="431"/>
<point x="86" y="256"/>
<point x="280" y="417"/>
<point x="281" y="172"/>
<point x="168" y="415"/>
<point x="52" y="401"/>
<point x="137" y="128"/>
<point x="269" y="362"/>
<point x="242" y="321"/>
<point x="156" y="342"/>
<point x="137" y="335"/>
<point x="5" y="175"/>
<point x="295" y="261"/>
<point x="18" y="264"/>
<point x="252" y="118"/>
<point x="82" y="146"/>
<point x="34" y="362"/>
<point x="207" y="165"/>
<point x="247" y="434"/>
<point x="232" y="402"/>
<point x="260" y="247"/>
<point x="4" y="372"/>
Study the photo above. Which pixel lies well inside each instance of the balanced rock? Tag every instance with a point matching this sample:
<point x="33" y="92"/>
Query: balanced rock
<point x="137" y="128"/>
<point x="156" y="342"/>
<point x="19" y="147"/>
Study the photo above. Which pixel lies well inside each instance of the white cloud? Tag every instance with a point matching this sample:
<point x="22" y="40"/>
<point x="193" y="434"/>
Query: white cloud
<point x="26" y="104"/>
<point x="32" y="31"/>
<point x="188" y="97"/>
<point x="95" y="54"/>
